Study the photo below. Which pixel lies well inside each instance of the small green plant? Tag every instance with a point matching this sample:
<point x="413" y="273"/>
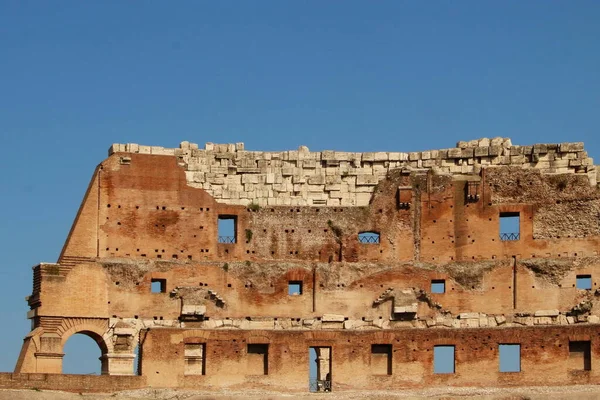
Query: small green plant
<point x="254" y="207"/>
<point x="36" y="389"/>
<point x="248" y="235"/>
<point x="248" y="263"/>
<point x="226" y="267"/>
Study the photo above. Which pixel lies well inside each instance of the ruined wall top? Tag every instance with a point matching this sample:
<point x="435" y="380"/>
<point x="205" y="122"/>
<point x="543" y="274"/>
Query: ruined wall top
<point x="333" y="178"/>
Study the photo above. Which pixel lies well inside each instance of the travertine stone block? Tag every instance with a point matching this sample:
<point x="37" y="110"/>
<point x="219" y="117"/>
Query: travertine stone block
<point x="454" y="153"/>
<point x="366" y="180"/>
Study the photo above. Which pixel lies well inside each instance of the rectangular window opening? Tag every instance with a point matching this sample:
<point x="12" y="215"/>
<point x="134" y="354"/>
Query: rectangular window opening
<point x="227" y="226"/>
<point x="258" y="359"/>
<point x="510" y="357"/>
<point x="319" y="367"/>
<point x="443" y="359"/>
<point x="438" y="286"/>
<point x="580" y="355"/>
<point x="368" y="237"/>
<point x="194" y="359"/>
<point x="294" y="288"/>
<point x="584" y="282"/>
<point x="381" y="359"/>
<point x="158" y="285"/>
<point x="510" y="226"/>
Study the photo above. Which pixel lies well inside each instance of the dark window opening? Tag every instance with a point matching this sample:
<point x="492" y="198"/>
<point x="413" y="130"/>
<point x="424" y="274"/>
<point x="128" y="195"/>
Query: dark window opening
<point x="472" y="191"/>
<point x="194" y="359"/>
<point x="258" y="359"/>
<point x="227" y="226"/>
<point x="294" y="288"/>
<point x="443" y="359"/>
<point x="159" y="285"/>
<point x="368" y="237"/>
<point x="510" y="357"/>
<point x="584" y="282"/>
<point x="580" y="356"/>
<point x="381" y="359"/>
<point x="510" y="226"/>
<point x="438" y="286"/>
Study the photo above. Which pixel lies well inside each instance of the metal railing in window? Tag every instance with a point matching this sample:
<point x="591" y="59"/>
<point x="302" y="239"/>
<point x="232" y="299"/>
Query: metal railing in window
<point x="318" y="385"/>
<point x="368" y="237"/>
<point x="226" y="239"/>
<point x="509" y="236"/>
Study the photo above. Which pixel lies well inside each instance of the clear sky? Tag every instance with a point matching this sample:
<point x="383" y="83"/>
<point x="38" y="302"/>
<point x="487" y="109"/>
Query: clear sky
<point x="76" y="76"/>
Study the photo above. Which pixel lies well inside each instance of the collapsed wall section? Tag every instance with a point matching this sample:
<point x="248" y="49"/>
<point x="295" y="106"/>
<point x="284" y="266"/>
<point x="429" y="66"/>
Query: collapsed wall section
<point x="233" y="175"/>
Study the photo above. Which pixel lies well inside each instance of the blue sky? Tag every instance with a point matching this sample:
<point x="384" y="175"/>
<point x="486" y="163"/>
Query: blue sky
<point x="354" y="75"/>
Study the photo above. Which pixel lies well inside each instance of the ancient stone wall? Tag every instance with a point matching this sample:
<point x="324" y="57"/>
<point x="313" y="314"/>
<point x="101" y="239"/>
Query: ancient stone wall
<point x="233" y="175"/>
<point x="147" y="264"/>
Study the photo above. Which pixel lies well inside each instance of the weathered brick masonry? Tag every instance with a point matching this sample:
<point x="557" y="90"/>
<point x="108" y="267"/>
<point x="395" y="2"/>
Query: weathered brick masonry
<point x="392" y="258"/>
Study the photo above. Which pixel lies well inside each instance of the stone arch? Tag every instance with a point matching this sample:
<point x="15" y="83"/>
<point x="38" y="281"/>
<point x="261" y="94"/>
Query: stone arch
<point x="93" y="331"/>
<point x="97" y="329"/>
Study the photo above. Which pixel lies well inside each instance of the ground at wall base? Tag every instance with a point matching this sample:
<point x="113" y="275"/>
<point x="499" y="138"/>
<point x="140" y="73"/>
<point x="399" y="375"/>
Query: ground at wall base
<point x="582" y="392"/>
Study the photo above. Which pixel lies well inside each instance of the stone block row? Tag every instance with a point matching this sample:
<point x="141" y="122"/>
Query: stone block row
<point x="234" y="175"/>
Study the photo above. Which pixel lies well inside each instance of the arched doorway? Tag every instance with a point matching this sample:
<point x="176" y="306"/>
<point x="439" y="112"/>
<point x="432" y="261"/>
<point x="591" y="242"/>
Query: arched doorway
<point x="84" y="354"/>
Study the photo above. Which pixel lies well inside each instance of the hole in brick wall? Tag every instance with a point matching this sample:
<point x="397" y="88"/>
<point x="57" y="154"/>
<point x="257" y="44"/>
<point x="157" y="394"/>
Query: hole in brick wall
<point x="159" y="256"/>
<point x="443" y="359"/>
<point x="438" y="286"/>
<point x="584" y="282"/>
<point x="368" y="237"/>
<point x="258" y="359"/>
<point x="108" y="205"/>
<point x="227" y="229"/>
<point x="143" y="255"/>
<point x="509" y="357"/>
<point x="580" y="356"/>
<point x="381" y="359"/>
<point x="174" y="256"/>
<point x="158" y="285"/>
<point x="294" y="288"/>
<point x="510" y="226"/>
